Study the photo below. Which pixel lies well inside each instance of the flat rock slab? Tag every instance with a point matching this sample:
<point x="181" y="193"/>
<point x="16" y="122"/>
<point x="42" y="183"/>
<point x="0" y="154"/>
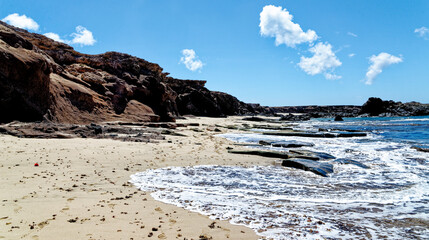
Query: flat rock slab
<point x="272" y="127"/>
<point x="319" y="168"/>
<point x="286" y="144"/>
<point x="316" y="134"/>
<point x="421" y="149"/>
<point x="317" y="155"/>
<point x="255" y="119"/>
<point x="261" y="153"/>
<point x="350" y="134"/>
<point x="349" y="161"/>
<point x="339" y="130"/>
<point x="301" y="134"/>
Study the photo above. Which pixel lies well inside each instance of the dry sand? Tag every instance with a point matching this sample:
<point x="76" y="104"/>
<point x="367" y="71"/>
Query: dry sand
<point x="80" y="189"/>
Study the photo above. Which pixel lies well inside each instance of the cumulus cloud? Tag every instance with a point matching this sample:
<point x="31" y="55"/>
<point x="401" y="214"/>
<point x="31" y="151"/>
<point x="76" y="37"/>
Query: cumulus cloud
<point x="277" y="22"/>
<point x="21" y="21"/>
<point x="379" y="62"/>
<point x="422" y="32"/>
<point x="352" y="55"/>
<point x="190" y="59"/>
<point x="54" y="36"/>
<point x="82" y="36"/>
<point x="323" y="61"/>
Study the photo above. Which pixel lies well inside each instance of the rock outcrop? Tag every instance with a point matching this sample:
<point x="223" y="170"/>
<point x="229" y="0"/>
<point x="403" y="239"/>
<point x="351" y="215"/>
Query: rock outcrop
<point x="41" y="79"/>
<point x="378" y="107"/>
<point x="195" y="99"/>
<point x="373" y="107"/>
<point x="320" y="111"/>
<point x="319" y="168"/>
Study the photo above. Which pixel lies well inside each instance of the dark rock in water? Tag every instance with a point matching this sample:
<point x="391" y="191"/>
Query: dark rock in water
<point x="373" y="107"/>
<point x="319" y="168"/>
<point x="421" y="149"/>
<point x="254" y="119"/>
<point x="271" y="127"/>
<point x="261" y="153"/>
<point x="286" y="144"/>
<point x="338" y="130"/>
<point x="378" y="107"/>
<point x="338" y="119"/>
<point x="293" y="117"/>
<point x="307" y="153"/>
<point x="349" y="161"/>
<point x="419" y="160"/>
<point x="301" y="134"/>
<point x="350" y="134"/>
<point x="316" y="134"/>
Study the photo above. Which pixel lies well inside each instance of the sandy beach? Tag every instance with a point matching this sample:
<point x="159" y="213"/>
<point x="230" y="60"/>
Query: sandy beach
<point x="80" y="189"/>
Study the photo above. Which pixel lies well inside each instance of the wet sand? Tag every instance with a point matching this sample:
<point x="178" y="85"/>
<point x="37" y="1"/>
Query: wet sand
<point x="80" y="189"/>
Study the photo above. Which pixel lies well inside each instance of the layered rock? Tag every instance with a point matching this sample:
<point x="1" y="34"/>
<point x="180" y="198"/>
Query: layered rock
<point x="194" y="98"/>
<point x="44" y="79"/>
<point x="24" y="78"/>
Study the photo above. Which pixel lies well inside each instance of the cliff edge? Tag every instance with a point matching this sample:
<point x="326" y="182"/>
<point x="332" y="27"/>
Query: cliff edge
<point x="41" y="79"/>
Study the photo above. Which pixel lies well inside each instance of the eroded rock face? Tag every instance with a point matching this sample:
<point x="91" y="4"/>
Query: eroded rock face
<point x="41" y="79"/>
<point x="24" y="79"/>
<point x="195" y="99"/>
<point x="378" y="107"/>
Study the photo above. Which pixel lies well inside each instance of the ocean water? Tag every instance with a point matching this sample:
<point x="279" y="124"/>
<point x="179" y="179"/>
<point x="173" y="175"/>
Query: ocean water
<point x="389" y="200"/>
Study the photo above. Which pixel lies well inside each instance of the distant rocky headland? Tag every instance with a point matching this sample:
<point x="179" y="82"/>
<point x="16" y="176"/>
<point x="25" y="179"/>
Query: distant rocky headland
<point x="45" y="80"/>
<point x="373" y="107"/>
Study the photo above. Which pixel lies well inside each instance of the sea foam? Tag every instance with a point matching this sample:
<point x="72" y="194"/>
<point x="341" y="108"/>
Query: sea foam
<point x="388" y="200"/>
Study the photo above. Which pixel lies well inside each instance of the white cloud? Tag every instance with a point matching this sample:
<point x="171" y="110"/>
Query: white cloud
<point x="422" y="32"/>
<point x="277" y="22"/>
<point x="379" y="62"/>
<point x="82" y="36"/>
<point x="351" y="34"/>
<point x="331" y="76"/>
<point x="54" y="36"/>
<point x="190" y="59"/>
<point x="21" y="21"/>
<point x="352" y="55"/>
<point x="323" y="61"/>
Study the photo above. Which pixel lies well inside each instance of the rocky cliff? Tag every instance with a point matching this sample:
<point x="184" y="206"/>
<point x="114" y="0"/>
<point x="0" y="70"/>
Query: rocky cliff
<point x="377" y="107"/>
<point x="41" y="79"/>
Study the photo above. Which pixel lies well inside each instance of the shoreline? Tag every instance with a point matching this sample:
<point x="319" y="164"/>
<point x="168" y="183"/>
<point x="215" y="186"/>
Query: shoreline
<point x="80" y="189"/>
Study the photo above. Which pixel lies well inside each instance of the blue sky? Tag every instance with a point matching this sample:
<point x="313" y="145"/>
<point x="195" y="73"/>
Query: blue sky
<point x="330" y="52"/>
